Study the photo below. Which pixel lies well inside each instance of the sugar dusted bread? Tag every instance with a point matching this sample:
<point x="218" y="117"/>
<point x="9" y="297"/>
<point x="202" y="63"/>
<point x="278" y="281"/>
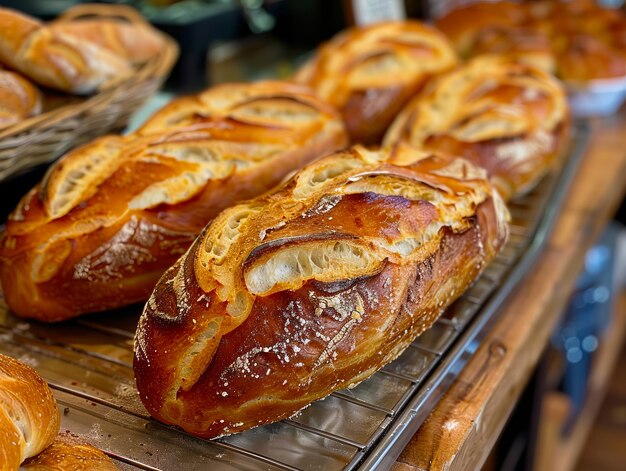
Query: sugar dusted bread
<point x="370" y="73"/>
<point x="110" y="217"/>
<point x="290" y="296"/>
<point x="499" y="112"/>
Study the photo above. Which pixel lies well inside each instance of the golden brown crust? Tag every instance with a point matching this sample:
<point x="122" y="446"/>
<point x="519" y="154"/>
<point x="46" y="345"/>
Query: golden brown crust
<point x="135" y="43"/>
<point x="111" y="216"/>
<point x="288" y="297"/>
<point x="499" y="112"/>
<point x="56" y="59"/>
<point x="29" y="417"/>
<point x="69" y="452"/>
<point x="19" y="99"/>
<point x="370" y="73"/>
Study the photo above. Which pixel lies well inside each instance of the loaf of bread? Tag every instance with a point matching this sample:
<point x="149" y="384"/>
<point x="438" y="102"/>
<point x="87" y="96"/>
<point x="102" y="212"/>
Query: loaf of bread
<point x="135" y="43"/>
<point x="502" y="114"/>
<point x="19" y="99"/>
<point x="312" y="288"/>
<point x="55" y="59"/>
<point x="112" y="216"/>
<point x="370" y="73"/>
<point x="29" y="417"/>
<point x="69" y="453"/>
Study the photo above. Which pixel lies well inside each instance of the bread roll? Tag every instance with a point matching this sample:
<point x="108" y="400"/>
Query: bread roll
<point x="370" y="73"/>
<point x="503" y="114"/>
<point x="19" y="99"/>
<point x="29" y="417"/>
<point x="56" y="59"/>
<point x="135" y="43"/>
<point x="290" y="296"/>
<point x="69" y="453"/>
<point x="112" y="216"/>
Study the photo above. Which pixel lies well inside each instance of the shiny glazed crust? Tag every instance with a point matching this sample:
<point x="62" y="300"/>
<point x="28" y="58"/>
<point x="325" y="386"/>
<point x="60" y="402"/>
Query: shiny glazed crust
<point x="19" y="99"/>
<point x="56" y="59"/>
<point x="290" y="296"/>
<point x="501" y="113"/>
<point x="69" y="452"/>
<point x="29" y="417"/>
<point x="112" y="216"/>
<point x="370" y="73"/>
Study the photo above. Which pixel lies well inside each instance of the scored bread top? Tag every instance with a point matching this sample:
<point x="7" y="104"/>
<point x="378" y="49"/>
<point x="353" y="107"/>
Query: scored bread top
<point x="341" y="218"/>
<point x="253" y="128"/>
<point x="370" y="73"/>
<point x="56" y="59"/>
<point x="490" y="97"/>
<point x="388" y="54"/>
<point x="498" y="111"/>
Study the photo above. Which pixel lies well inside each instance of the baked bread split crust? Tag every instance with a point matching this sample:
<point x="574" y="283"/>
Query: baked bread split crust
<point x="370" y="73"/>
<point x="110" y="217"/>
<point x="501" y="113"/>
<point x="288" y="297"/>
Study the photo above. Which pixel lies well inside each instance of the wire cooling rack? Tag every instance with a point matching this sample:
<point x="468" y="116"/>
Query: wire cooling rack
<point x="88" y="363"/>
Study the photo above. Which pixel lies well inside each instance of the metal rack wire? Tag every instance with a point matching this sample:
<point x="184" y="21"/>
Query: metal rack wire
<point x="88" y="363"/>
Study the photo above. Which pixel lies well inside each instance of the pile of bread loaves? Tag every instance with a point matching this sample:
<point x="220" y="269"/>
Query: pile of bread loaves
<point x="79" y="57"/>
<point x="280" y="258"/>
<point x="577" y="40"/>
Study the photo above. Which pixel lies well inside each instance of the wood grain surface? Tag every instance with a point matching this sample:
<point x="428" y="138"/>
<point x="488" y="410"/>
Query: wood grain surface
<point x="461" y="431"/>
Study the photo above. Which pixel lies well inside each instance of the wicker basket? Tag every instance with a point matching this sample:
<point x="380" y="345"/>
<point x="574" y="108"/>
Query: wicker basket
<point x="44" y="138"/>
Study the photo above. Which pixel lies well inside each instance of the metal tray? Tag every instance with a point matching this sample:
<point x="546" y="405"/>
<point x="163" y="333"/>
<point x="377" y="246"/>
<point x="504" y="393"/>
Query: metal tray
<point x="88" y="364"/>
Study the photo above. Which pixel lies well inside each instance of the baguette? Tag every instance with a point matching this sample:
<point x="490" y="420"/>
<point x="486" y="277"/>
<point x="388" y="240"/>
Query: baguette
<point x="29" y="417"/>
<point x="55" y="59"/>
<point x="499" y="112"/>
<point x="370" y="73"/>
<point x="111" y="217"/>
<point x="290" y="296"/>
<point x="19" y="99"/>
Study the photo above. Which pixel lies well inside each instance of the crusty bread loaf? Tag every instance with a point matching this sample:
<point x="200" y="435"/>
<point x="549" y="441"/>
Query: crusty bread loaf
<point x="29" y="417"/>
<point x="112" y="216"/>
<point x="370" y="73"/>
<point x="69" y="453"/>
<point x="135" y="43"/>
<point x="290" y="296"/>
<point x="503" y="114"/>
<point x="19" y="99"/>
<point x="56" y="59"/>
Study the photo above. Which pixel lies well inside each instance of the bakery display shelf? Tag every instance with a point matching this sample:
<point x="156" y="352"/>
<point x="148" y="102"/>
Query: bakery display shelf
<point x="88" y="363"/>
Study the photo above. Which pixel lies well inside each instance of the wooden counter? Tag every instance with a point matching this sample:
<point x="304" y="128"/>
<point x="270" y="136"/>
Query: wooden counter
<point x="462" y="430"/>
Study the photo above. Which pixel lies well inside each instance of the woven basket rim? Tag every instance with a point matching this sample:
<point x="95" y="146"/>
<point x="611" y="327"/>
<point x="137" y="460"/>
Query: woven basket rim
<point x="155" y="68"/>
